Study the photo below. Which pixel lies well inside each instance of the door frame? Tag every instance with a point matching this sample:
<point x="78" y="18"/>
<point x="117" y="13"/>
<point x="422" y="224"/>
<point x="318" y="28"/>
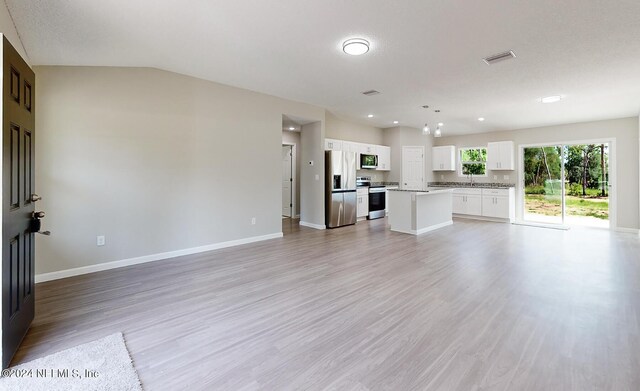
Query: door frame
<point x="294" y="180"/>
<point x="613" y="192"/>
<point x="424" y="171"/>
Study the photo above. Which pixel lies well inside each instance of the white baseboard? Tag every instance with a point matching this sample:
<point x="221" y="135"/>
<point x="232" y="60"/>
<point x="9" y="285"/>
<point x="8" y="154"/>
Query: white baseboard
<point x="627" y="230"/>
<point x="150" y="258"/>
<point x="482" y="218"/>
<point x="424" y="230"/>
<point x="311" y="225"/>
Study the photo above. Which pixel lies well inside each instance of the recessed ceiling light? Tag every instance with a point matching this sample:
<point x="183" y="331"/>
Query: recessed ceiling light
<point x="370" y="115"/>
<point x="481" y="119"/>
<point x="551" y="99"/>
<point x="355" y="46"/>
<point x="440" y="124"/>
<point x="395" y="122"/>
<point x="292" y="128"/>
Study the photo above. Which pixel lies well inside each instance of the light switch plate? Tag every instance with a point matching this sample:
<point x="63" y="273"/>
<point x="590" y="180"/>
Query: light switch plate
<point x="317" y="177"/>
<point x="100" y="240"/>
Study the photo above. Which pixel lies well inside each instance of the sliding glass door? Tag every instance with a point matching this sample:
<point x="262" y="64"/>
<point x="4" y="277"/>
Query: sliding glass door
<point x="543" y="178"/>
<point x="566" y="184"/>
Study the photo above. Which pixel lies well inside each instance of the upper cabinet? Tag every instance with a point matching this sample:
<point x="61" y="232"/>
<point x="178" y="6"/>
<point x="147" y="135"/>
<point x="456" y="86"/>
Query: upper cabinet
<point x="384" y="158"/>
<point x="383" y="152"/>
<point x="443" y="158"/>
<point x="500" y="156"/>
<point x="332" y="145"/>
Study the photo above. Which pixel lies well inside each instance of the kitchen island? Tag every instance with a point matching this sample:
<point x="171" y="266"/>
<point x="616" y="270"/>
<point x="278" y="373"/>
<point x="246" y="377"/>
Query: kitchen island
<point x="418" y="211"/>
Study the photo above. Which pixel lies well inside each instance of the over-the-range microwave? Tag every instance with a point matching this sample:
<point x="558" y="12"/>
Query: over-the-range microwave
<point x="368" y="161"/>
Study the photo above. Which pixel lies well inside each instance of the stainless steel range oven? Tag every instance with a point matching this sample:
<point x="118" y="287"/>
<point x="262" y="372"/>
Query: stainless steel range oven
<point x="377" y="201"/>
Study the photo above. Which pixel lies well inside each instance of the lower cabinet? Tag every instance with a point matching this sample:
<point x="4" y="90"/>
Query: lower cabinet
<point x="491" y="203"/>
<point x="362" y="203"/>
<point x="495" y="206"/>
<point x="467" y="201"/>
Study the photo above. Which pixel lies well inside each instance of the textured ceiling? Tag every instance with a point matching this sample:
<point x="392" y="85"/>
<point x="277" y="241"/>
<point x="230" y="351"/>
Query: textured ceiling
<point x="423" y="52"/>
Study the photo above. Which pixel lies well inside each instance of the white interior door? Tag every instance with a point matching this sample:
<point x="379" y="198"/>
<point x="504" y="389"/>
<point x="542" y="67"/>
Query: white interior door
<point x="413" y="168"/>
<point x="287" y="180"/>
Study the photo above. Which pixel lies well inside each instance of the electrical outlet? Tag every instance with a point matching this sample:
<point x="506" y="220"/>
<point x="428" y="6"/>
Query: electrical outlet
<point x="506" y="177"/>
<point x="100" y="240"/>
<point x="253" y="221"/>
<point x="495" y="177"/>
<point x="441" y="176"/>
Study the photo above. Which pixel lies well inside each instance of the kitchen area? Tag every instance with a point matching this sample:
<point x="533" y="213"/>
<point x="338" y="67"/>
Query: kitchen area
<point x="355" y="191"/>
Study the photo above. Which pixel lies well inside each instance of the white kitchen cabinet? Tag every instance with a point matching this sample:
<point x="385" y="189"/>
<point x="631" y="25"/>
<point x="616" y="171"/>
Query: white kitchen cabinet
<point x="383" y="152"/>
<point x="332" y="145"/>
<point x="443" y="158"/>
<point x="384" y="157"/>
<point x="498" y="203"/>
<point x="500" y="156"/>
<point x="362" y="202"/>
<point x="467" y="202"/>
<point x="350" y="146"/>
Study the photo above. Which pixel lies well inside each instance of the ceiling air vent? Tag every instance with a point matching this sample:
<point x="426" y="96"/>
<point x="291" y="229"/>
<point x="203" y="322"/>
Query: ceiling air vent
<point x="371" y="93"/>
<point x="499" y="57"/>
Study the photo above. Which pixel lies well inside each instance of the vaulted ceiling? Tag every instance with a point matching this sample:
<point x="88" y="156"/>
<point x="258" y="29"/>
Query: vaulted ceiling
<point x="423" y="52"/>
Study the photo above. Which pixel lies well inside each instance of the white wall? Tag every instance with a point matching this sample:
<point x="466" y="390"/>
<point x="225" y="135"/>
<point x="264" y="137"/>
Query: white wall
<point x="155" y="161"/>
<point x="624" y="130"/>
<point x="8" y="29"/>
<point x="401" y="136"/>
<point x="312" y="178"/>
<point x="340" y="129"/>
<point x="294" y="138"/>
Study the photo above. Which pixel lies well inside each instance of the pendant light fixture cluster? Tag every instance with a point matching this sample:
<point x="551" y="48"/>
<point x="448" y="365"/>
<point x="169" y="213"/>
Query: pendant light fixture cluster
<point x="426" y="130"/>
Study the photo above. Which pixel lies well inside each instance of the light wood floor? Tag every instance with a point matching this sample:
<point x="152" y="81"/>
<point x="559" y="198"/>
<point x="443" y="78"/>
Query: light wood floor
<point x="474" y="306"/>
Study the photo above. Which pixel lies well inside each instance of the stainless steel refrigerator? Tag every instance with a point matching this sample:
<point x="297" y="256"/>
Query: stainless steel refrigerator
<point x="340" y="188"/>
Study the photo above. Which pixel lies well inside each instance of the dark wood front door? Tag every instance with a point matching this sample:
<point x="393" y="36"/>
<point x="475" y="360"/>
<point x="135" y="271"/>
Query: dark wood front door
<point x="18" y="141"/>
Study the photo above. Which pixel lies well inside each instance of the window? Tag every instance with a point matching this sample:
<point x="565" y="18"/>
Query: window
<point x="473" y="161"/>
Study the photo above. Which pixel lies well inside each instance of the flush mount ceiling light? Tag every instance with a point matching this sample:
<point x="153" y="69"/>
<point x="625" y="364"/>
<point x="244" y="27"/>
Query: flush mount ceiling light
<point x="395" y="122"/>
<point x="440" y="124"/>
<point x="426" y="130"/>
<point x="355" y="46"/>
<point x="370" y="116"/>
<point x="292" y="128"/>
<point x="481" y="119"/>
<point x="551" y="99"/>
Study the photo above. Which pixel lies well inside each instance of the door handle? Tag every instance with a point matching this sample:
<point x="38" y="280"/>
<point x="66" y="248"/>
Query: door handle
<point x="35" y="197"/>
<point x="36" y="223"/>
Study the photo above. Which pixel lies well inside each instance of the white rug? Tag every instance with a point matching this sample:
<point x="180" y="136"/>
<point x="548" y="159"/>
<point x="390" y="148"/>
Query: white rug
<point x="104" y="364"/>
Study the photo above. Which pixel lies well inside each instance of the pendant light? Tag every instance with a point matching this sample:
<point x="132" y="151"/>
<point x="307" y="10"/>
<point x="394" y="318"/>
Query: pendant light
<point x="438" y="132"/>
<point x="426" y="130"/>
